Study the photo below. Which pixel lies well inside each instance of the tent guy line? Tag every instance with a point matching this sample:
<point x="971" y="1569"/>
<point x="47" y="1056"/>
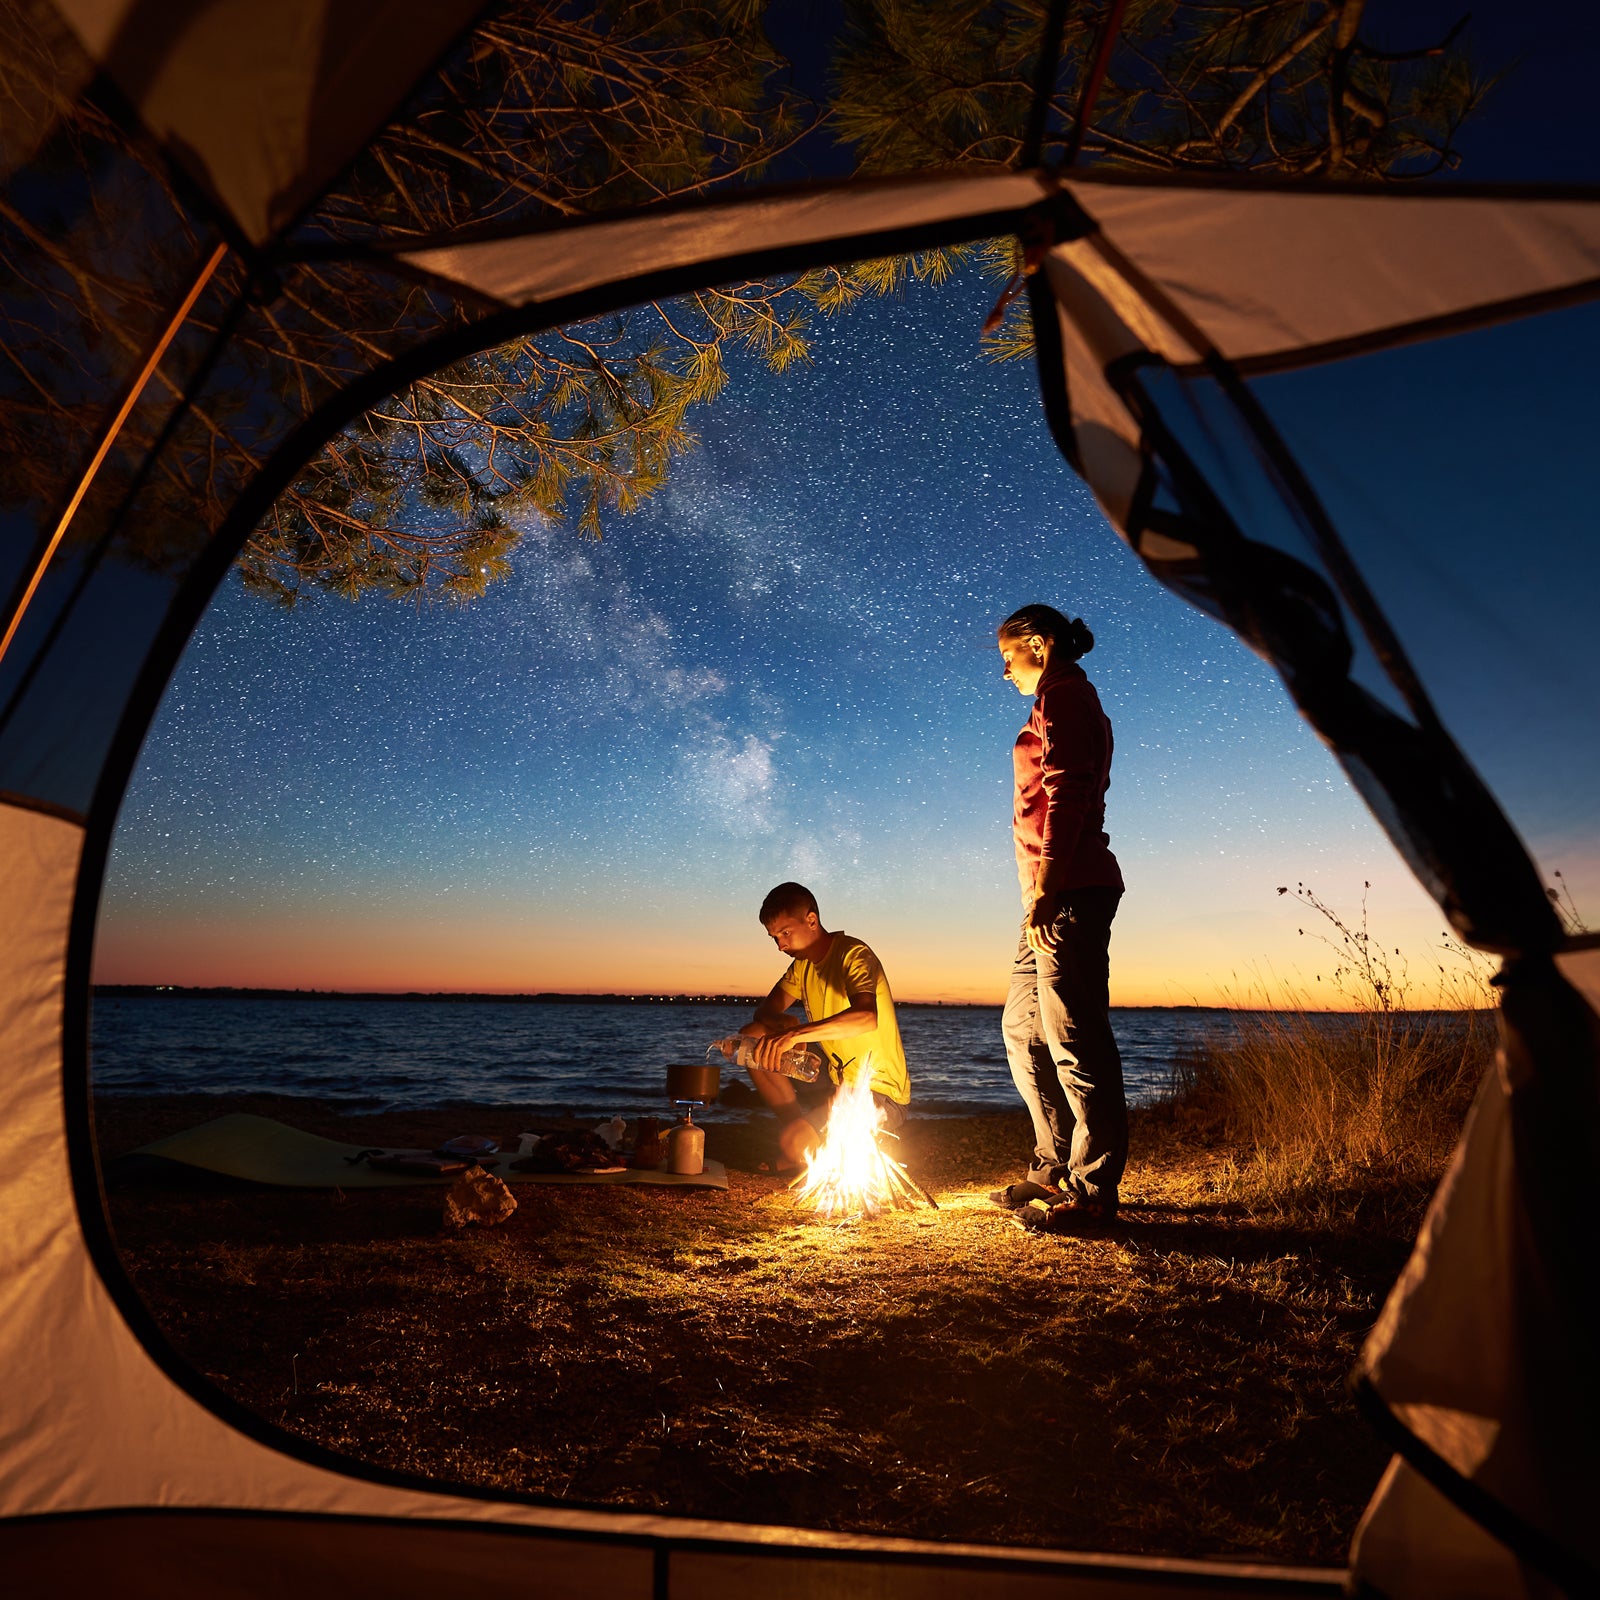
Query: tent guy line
<point x="124" y="411"/>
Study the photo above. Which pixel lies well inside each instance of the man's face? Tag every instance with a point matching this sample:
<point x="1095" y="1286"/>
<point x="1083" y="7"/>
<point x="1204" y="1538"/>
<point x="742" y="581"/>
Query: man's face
<point x="792" y="931"/>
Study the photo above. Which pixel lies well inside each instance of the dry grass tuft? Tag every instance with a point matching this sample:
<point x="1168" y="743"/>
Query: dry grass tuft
<point x="1323" y="1116"/>
<point x="1332" y="1116"/>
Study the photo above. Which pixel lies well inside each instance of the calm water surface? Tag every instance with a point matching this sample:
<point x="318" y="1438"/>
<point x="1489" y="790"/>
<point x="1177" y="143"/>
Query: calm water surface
<point x="585" y="1057"/>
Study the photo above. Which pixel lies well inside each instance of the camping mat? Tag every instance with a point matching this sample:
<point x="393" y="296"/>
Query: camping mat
<point x="265" y="1151"/>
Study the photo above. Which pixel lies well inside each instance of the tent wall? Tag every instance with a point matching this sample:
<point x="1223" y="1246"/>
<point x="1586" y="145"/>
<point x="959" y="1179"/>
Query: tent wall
<point x="262" y="104"/>
<point x="101" y="1418"/>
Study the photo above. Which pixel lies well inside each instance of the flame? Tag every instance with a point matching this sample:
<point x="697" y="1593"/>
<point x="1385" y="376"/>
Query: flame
<point x="850" y="1174"/>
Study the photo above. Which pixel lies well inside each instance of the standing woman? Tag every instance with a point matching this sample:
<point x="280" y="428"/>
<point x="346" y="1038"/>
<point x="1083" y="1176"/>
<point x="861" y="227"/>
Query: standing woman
<point x="1059" y="1044"/>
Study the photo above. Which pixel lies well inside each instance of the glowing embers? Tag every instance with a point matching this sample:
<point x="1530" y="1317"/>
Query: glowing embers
<point x="850" y="1174"/>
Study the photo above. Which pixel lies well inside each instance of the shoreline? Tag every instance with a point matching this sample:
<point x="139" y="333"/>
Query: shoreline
<point x="169" y="991"/>
<point x="121" y="1103"/>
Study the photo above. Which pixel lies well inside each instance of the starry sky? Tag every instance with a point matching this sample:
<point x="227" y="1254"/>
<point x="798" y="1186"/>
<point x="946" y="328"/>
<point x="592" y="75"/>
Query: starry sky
<point x="782" y="666"/>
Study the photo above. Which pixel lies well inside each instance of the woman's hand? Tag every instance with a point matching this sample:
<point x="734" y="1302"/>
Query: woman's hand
<point x="1039" y="926"/>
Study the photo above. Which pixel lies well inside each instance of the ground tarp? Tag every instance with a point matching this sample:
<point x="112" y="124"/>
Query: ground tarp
<point x="264" y="1151"/>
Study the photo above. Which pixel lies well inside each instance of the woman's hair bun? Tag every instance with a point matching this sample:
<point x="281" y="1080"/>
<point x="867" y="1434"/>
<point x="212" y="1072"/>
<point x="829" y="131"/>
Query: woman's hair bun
<point x="1072" y="638"/>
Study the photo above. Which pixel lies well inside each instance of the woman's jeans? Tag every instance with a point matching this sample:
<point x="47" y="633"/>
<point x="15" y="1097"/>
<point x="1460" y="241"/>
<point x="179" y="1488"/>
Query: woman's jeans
<point x="1064" y="1059"/>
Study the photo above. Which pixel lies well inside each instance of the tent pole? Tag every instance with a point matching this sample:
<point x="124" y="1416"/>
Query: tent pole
<point x="1044" y="83"/>
<point x="1109" y="29"/>
<point x="124" y="411"/>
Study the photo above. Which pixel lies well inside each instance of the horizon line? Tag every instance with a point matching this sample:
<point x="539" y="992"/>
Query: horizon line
<point x="620" y="997"/>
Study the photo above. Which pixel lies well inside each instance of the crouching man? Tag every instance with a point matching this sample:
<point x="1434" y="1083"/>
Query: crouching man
<point x="850" y="1019"/>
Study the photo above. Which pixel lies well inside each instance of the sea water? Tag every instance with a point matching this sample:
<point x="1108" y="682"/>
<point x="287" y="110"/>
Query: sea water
<point x="579" y="1056"/>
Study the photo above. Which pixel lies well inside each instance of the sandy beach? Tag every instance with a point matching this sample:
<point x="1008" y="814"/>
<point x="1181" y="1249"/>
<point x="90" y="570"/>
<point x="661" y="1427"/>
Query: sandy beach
<point x="1175" y="1387"/>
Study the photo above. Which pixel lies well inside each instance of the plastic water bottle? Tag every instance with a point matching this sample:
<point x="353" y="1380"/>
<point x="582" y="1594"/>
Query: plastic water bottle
<point x="798" y="1063"/>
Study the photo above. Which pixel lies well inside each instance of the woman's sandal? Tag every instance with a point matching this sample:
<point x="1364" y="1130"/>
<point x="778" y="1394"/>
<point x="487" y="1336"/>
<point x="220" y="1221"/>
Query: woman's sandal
<point x="1016" y="1195"/>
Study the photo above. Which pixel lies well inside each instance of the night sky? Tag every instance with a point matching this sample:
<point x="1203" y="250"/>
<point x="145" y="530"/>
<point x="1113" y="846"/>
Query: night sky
<point x="783" y="666"/>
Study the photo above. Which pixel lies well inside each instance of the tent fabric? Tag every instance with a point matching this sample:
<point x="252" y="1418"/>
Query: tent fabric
<point x="525" y="268"/>
<point x="1186" y="272"/>
<point x="1446" y="467"/>
<point x="1186" y="275"/>
<point x="262" y="104"/>
<point x="1580" y="966"/>
<point x="1279" y="276"/>
<point x="1413" y="1541"/>
<point x="261" y="1150"/>
<point x="1285" y="277"/>
<point x="155" y="1554"/>
<point x="1482" y="1359"/>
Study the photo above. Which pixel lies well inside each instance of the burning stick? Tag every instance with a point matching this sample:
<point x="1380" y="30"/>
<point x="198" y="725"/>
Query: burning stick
<point x="849" y="1173"/>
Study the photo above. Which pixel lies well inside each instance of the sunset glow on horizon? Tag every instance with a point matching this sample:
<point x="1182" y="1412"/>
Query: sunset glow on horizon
<point x="1234" y="957"/>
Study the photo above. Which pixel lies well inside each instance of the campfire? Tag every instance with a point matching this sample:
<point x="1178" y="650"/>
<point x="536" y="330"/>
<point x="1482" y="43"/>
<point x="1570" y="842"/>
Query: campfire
<point x="850" y="1174"/>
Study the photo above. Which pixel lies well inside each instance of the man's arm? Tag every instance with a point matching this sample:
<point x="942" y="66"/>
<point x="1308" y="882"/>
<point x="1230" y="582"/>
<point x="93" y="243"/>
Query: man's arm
<point x="772" y="1015"/>
<point x="860" y="1016"/>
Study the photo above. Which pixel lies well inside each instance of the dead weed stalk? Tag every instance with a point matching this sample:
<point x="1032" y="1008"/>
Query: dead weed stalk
<point x="1348" y="1112"/>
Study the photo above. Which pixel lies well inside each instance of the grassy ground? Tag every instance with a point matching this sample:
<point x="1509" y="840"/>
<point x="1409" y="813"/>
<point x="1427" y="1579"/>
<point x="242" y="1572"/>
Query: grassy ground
<point x="1174" y="1388"/>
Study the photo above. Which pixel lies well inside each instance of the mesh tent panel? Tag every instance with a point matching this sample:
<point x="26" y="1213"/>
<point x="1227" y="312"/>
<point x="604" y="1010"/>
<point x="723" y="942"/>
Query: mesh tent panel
<point x="1454" y="486"/>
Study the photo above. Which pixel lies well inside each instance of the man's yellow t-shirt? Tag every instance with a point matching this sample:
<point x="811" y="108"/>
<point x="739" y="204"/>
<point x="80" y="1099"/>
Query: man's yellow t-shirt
<point x="848" y="973"/>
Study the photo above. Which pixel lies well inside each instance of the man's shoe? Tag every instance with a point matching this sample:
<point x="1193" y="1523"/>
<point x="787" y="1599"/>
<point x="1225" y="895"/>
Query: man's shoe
<point x="1077" y="1214"/>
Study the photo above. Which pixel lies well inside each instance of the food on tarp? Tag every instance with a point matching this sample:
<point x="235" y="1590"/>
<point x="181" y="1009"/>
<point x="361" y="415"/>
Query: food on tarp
<point x="467" y="1147"/>
<point x="648" y="1148"/>
<point x="578" y="1151"/>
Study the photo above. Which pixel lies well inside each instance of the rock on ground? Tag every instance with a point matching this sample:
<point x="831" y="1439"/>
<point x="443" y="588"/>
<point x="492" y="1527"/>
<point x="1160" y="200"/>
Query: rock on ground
<point x="477" y="1196"/>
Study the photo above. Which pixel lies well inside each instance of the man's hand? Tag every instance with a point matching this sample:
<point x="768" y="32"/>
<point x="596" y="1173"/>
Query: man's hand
<point x="768" y="1036"/>
<point x="770" y="1051"/>
<point x="1039" y="926"/>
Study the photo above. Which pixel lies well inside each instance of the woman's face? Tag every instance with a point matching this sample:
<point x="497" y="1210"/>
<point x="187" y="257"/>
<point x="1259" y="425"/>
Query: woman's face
<point x="1025" y="661"/>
